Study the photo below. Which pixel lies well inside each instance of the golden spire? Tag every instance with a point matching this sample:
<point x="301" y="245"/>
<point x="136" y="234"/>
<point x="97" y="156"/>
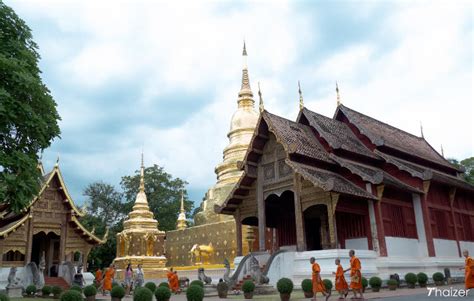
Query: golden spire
<point x="181" y="222"/>
<point x="442" y="151"/>
<point x="301" y="96"/>
<point x="337" y="95"/>
<point x="260" y="105"/>
<point x="142" y="176"/>
<point x="421" y="130"/>
<point x="245" y="93"/>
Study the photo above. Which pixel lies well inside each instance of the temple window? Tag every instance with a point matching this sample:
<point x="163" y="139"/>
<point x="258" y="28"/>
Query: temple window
<point x="13" y="256"/>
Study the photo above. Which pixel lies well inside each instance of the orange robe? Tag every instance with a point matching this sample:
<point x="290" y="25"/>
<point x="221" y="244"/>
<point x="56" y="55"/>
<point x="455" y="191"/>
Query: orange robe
<point x="108" y="278"/>
<point x="341" y="284"/>
<point x="173" y="281"/>
<point x="469" y="273"/>
<point x="356" y="275"/>
<point x="318" y="285"/>
<point x="98" y="276"/>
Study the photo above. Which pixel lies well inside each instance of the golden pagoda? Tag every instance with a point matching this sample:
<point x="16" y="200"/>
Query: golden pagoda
<point x="181" y="222"/>
<point x="141" y="242"/>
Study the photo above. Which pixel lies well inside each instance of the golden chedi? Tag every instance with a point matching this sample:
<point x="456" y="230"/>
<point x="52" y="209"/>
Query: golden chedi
<point x="141" y="242"/>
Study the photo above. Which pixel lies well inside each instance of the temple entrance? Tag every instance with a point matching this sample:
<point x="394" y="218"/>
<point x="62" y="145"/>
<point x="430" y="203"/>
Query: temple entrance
<point x="280" y="214"/>
<point x="47" y="244"/>
<point x="315" y="218"/>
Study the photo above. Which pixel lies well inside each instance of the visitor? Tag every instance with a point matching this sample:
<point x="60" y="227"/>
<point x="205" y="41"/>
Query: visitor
<point x="173" y="281"/>
<point x="318" y="285"/>
<point x="341" y="284"/>
<point x="108" y="279"/>
<point x="139" y="276"/>
<point x="468" y="270"/>
<point x="128" y="279"/>
<point x="356" y="275"/>
<point x="79" y="278"/>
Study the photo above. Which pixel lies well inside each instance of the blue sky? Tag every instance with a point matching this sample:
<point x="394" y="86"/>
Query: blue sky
<point x="164" y="76"/>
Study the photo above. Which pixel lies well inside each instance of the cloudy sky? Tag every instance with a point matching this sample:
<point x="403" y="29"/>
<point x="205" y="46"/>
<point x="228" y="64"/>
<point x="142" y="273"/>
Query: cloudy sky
<point x="164" y="76"/>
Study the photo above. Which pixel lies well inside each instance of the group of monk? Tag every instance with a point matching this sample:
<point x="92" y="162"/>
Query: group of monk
<point x="173" y="281"/>
<point x="340" y="282"/>
<point x="105" y="279"/>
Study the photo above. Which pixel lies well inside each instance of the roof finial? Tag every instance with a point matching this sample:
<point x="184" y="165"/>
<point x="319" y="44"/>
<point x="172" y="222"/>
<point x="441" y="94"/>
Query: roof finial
<point x="301" y="96"/>
<point x="244" y="52"/>
<point x="338" y="97"/>
<point x="142" y="176"/>
<point x="421" y="130"/>
<point x="245" y="93"/>
<point x="442" y="151"/>
<point x="260" y="106"/>
<point x="57" y="162"/>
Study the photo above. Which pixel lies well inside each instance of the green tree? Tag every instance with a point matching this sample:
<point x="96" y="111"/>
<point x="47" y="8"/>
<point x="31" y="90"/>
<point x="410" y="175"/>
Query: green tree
<point x="468" y="166"/>
<point x="163" y="194"/>
<point x="28" y="115"/>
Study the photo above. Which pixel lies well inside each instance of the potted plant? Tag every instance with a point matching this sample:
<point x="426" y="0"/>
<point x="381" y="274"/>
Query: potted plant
<point x="438" y="278"/>
<point x="46" y="291"/>
<point x="151" y="286"/>
<point x="327" y="285"/>
<point x="162" y="293"/>
<point x="248" y="287"/>
<point x="392" y="284"/>
<point x="375" y="283"/>
<point x="422" y="279"/>
<point x="117" y="293"/>
<point x="76" y="288"/>
<point x="222" y="289"/>
<point x="285" y="287"/>
<point x="164" y="284"/>
<point x="143" y="294"/>
<point x="31" y="291"/>
<point x="90" y="291"/>
<point x="197" y="282"/>
<point x="195" y="293"/>
<point x="56" y="290"/>
<point x="307" y="287"/>
<point x="71" y="295"/>
<point x="410" y="279"/>
<point x="365" y="283"/>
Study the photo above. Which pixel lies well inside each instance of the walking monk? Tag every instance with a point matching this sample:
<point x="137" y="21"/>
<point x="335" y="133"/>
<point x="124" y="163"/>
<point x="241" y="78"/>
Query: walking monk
<point x="356" y="275"/>
<point x="98" y="279"/>
<point x="468" y="270"/>
<point x="108" y="278"/>
<point x="318" y="285"/>
<point x="341" y="284"/>
<point x="173" y="281"/>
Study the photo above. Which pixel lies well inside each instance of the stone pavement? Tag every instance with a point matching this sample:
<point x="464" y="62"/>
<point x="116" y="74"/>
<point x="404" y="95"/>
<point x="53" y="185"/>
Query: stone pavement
<point x="418" y="294"/>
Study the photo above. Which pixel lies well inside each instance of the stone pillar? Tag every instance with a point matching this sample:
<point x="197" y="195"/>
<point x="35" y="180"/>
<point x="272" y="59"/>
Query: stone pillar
<point x="427" y="220"/>
<point x="261" y="210"/>
<point x="420" y="226"/>
<point x="238" y="231"/>
<point x="29" y="240"/>
<point x="299" y="218"/>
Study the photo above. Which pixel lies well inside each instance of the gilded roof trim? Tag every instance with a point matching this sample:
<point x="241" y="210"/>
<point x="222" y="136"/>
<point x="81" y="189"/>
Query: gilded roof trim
<point x="15" y="226"/>
<point x="89" y="233"/>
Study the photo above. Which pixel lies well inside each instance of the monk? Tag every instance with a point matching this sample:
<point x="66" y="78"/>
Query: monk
<point x="173" y="281"/>
<point x="341" y="284"/>
<point x="318" y="285"/>
<point x="468" y="270"/>
<point x="108" y="278"/>
<point x="98" y="278"/>
<point x="356" y="275"/>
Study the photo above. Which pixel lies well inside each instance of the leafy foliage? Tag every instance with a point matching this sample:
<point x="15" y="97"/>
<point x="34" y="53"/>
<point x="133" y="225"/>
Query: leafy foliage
<point x="375" y="282"/>
<point x="422" y="278"/>
<point x="76" y="288"/>
<point x="468" y="166"/>
<point x="46" y="290"/>
<point x="438" y="276"/>
<point x="365" y="282"/>
<point x="248" y="286"/>
<point x="142" y="294"/>
<point x="117" y="292"/>
<point x="307" y="285"/>
<point x="151" y="286"/>
<point x="197" y="282"/>
<point x="90" y="290"/>
<point x="162" y="293"/>
<point x="411" y="278"/>
<point x="30" y="290"/>
<point x="28" y="115"/>
<point x="164" y="284"/>
<point x="71" y="295"/>
<point x="195" y="293"/>
<point x="327" y="284"/>
<point x="57" y="290"/>
<point x="285" y="286"/>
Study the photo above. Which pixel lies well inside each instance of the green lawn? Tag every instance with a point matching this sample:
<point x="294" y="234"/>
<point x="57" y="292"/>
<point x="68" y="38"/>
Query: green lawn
<point x="297" y="294"/>
<point x="33" y="299"/>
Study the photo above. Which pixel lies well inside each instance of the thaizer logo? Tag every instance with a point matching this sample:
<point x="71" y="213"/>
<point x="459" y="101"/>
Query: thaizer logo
<point x="448" y="292"/>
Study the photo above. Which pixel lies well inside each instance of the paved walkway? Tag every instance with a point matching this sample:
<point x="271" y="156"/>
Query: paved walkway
<point x="418" y="294"/>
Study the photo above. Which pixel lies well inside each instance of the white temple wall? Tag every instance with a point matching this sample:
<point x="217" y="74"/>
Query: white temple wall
<point x="357" y="243"/>
<point x="445" y="248"/>
<point x="400" y="246"/>
<point x="467" y="245"/>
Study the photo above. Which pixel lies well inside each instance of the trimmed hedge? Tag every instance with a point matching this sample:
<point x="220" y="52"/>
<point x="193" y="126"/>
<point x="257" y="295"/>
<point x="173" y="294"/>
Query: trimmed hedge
<point x="117" y="292"/>
<point x="71" y="295"/>
<point x="422" y="278"/>
<point x="4" y="297"/>
<point x="375" y="282"/>
<point x="195" y="293"/>
<point x="411" y="278"/>
<point x="151" y="286"/>
<point x="197" y="282"/>
<point x="327" y="284"/>
<point x="30" y="290"/>
<point x="90" y="290"/>
<point x="76" y="288"/>
<point x="57" y="290"/>
<point x="248" y="286"/>
<point x="285" y="286"/>
<point x="142" y="294"/>
<point x="365" y="282"/>
<point x="46" y="290"/>
<point x="162" y="293"/>
<point x="307" y="285"/>
<point x="164" y="284"/>
<point x="438" y="276"/>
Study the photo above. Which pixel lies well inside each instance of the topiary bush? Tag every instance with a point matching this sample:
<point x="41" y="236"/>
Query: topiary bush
<point x="142" y="294"/>
<point x="117" y="292"/>
<point x="248" y="286"/>
<point x="411" y="280"/>
<point x="392" y="284"/>
<point x="365" y="282"/>
<point x="195" y="293"/>
<point x="4" y="297"/>
<point x="438" y="278"/>
<point x="307" y="285"/>
<point x="90" y="290"/>
<point x="327" y="284"/>
<point x="164" y="284"/>
<point x="71" y="295"/>
<point x="30" y="290"/>
<point x="197" y="282"/>
<point x="162" y="293"/>
<point x="375" y="282"/>
<point x="422" y="279"/>
<point x="151" y="286"/>
<point x="285" y="286"/>
<point x="114" y="284"/>
<point x="57" y="290"/>
<point x="76" y="288"/>
<point x="222" y="289"/>
<point x="46" y="290"/>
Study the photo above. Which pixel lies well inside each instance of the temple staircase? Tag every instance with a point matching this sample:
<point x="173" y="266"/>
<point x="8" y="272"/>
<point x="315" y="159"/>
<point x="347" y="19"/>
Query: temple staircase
<point x="56" y="281"/>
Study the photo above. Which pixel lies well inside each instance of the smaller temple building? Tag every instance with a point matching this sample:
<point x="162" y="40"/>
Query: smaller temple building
<point x="141" y="242"/>
<point x="49" y="227"/>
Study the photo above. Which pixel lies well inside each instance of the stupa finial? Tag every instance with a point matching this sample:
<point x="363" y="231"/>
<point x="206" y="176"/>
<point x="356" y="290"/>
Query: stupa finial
<point x="245" y="93"/>
<point x="301" y="96"/>
<point x="142" y="176"/>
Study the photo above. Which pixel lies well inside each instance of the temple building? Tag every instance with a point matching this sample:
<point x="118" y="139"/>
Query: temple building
<point x="351" y="182"/>
<point x="141" y="242"/>
<point x="49" y="226"/>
